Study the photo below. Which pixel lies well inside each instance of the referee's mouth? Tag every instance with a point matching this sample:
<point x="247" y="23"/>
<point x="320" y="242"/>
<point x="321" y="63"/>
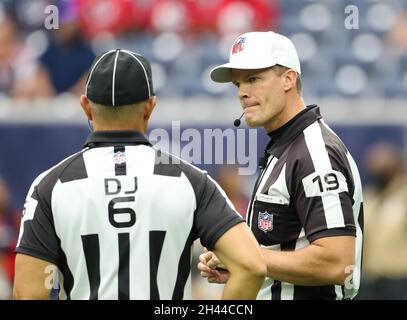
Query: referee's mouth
<point x="249" y="104"/>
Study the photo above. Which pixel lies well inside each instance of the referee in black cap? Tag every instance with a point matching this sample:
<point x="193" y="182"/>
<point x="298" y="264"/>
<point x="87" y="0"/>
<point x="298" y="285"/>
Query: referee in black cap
<point x="119" y="217"/>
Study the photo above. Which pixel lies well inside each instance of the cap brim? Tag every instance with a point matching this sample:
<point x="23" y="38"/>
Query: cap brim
<point x="223" y="73"/>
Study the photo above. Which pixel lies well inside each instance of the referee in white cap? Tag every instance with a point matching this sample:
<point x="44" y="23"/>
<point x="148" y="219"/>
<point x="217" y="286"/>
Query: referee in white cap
<point x="306" y="209"/>
<point x="119" y="217"/>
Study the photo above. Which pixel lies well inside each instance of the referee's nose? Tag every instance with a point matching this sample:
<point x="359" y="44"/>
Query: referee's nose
<point x="242" y="92"/>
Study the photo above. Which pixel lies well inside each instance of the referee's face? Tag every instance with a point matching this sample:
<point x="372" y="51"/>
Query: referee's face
<point x="262" y="96"/>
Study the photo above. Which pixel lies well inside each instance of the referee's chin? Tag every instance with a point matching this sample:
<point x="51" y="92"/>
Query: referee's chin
<point x="253" y="123"/>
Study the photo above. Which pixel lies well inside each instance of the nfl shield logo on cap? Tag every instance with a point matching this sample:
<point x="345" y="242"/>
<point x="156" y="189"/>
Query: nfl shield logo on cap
<point x="238" y="45"/>
<point x="265" y="221"/>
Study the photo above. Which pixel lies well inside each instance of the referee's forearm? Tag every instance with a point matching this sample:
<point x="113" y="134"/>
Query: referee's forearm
<point x="310" y="266"/>
<point x="289" y="267"/>
<point x="242" y="287"/>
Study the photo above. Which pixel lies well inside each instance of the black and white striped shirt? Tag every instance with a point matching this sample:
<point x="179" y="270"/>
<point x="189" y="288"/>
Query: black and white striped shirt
<point x="309" y="188"/>
<point x="119" y="218"/>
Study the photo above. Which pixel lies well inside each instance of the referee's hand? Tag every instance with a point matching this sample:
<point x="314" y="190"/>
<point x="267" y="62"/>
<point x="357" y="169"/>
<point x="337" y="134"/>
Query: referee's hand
<point x="211" y="268"/>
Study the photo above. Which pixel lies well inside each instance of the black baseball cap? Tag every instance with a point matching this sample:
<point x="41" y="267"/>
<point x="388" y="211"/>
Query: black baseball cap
<point x="119" y="77"/>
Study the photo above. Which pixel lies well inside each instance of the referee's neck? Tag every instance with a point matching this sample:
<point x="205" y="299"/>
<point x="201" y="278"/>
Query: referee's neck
<point x="142" y="127"/>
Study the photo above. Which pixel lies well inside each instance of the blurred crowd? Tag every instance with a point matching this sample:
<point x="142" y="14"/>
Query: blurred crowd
<point x="45" y="53"/>
<point x="9" y="224"/>
<point x="385" y="199"/>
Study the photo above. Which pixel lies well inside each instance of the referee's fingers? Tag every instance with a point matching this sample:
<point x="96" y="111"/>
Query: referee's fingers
<point x="206" y="274"/>
<point x="213" y="262"/>
<point x="205" y="257"/>
<point x="202" y="258"/>
<point x="214" y="277"/>
<point x="203" y="267"/>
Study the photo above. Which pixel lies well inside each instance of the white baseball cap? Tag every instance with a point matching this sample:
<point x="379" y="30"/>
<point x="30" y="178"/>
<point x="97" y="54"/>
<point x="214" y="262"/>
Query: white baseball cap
<point x="258" y="50"/>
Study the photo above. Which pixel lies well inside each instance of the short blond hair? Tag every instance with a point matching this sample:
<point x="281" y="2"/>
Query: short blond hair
<point x="281" y="69"/>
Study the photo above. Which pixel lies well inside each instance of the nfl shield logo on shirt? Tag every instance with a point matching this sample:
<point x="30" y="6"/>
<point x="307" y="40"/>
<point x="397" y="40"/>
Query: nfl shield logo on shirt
<point x="119" y="157"/>
<point x="265" y="221"/>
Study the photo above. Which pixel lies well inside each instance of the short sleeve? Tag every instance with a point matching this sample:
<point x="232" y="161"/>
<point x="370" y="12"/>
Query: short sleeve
<point x="320" y="190"/>
<point x="214" y="213"/>
<point x="37" y="236"/>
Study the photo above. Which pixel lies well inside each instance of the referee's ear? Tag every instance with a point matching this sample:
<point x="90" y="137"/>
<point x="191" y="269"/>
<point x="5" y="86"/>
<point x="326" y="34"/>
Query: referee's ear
<point x="84" y="101"/>
<point x="290" y="79"/>
<point x="148" y="110"/>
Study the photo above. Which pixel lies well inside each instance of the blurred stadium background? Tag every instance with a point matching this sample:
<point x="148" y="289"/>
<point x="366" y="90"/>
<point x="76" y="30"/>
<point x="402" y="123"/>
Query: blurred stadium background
<point x="358" y="77"/>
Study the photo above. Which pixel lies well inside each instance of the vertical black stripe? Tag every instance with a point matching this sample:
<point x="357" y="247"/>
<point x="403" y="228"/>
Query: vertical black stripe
<point x="166" y="165"/>
<point x="124" y="267"/>
<point x="252" y="200"/>
<point x="276" y="290"/>
<point x="184" y="267"/>
<point x="156" y="245"/>
<point x="337" y="153"/>
<point x="361" y="225"/>
<point x="91" y="250"/>
<point x="346" y="205"/>
<point x="289" y="246"/>
<point x="275" y="173"/>
<point x="256" y="186"/>
<point x="276" y="287"/>
<point x="120" y="160"/>
<point x="66" y="272"/>
<point x="332" y="139"/>
<point x="361" y="217"/>
<point x="76" y="170"/>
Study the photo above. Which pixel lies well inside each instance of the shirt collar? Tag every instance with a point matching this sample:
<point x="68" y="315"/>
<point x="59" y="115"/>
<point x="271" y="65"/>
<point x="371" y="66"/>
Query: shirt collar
<point x="276" y="134"/>
<point x="127" y="137"/>
<point x="283" y="136"/>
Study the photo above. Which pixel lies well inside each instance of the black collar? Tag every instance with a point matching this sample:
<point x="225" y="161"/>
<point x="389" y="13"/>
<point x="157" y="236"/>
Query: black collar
<point x="126" y="137"/>
<point x="283" y="136"/>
